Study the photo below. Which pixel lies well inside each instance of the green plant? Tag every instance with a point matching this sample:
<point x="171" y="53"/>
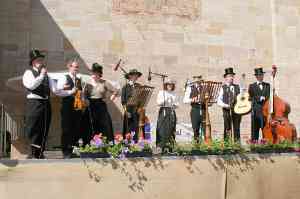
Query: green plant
<point x="268" y="147"/>
<point x="115" y="150"/>
<point x="217" y="147"/>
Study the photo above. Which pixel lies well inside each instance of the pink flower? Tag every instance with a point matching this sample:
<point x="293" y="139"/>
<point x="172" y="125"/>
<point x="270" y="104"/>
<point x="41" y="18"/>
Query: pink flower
<point x="263" y="141"/>
<point x="97" y="140"/>
<point x="128" y="136"/>
<point x="118" y="138"/>
<point x="297" y="149"/>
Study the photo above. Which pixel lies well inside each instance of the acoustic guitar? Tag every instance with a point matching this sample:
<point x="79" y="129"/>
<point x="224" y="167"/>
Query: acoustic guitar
<point x="243" y="104"/>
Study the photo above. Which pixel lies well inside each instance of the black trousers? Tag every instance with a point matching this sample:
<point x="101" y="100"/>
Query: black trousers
<point x="197" y="117"/>
<point x="229" y="121"/>
<point x="257" y="122"/>
<point x="131" y="123"/>
<point x="97" y="120"/>
<point x="37" y="123"/>
<point x="166" y="126"/>
<point x="71" y="125"/>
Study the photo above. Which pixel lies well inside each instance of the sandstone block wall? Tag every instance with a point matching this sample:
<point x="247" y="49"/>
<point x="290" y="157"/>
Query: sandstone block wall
<point x="179" y="38"/>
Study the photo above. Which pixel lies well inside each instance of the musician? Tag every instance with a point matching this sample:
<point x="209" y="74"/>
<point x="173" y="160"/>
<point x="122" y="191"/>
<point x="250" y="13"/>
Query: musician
<point x="197" y="113"/>
<point x="99" y="118"/>
<point x="131" y="116"/>
<point x="259" y="92"/>
<point x="226" y="100"/>
<point x="38" y="108"/>
<point x="166" y="123"/>
<point x="70" y="117"/>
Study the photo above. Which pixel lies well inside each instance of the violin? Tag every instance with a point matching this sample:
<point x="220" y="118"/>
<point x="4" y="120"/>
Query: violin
<point x="79" y="103"/>
<point x="275" y="111"/>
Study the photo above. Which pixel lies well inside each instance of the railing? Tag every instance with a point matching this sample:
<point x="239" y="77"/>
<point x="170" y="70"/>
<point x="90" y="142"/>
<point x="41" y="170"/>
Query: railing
<point x="11" y="128"/>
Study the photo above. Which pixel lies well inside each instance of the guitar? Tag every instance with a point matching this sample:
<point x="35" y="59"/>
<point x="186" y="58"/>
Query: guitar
<point x="243" y="104"/>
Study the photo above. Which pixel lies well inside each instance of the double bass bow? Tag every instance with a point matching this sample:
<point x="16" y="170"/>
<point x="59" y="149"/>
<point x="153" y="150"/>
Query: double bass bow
<point x="275" y="111"/>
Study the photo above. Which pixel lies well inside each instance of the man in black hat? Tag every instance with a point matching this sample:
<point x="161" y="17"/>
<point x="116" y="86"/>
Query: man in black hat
<point x="70" y="116"/>
<point x="38" y="108"/>
<point x="131" y="116"/>
<point x="227" y="99"/>
<point x="197" y="113"/>
<point x="259" y="92"/>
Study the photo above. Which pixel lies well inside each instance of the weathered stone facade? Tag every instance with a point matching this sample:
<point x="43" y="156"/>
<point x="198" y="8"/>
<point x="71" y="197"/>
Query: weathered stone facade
<point x="179" y="38"/>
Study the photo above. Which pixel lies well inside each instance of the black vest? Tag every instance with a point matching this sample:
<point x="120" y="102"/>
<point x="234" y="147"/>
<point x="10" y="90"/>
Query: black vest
<point x="127" y="92"/>
<point x="195" y="90"/>
<point x="69" y="99"/>
<point x="43" y="89"/>
<point x="255" y="93"/>
<point x="228" y="96"/>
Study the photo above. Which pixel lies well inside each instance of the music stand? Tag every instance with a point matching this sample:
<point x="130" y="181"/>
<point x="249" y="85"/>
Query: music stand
<point x="140" y="96"/>
<point x="140" y="99"/>
<point x="207" y="94"/>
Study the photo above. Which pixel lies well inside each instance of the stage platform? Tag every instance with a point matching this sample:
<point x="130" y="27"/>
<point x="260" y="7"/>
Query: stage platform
<point x="274" y="176"/>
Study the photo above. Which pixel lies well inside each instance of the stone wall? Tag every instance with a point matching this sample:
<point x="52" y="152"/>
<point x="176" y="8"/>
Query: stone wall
<point x="179" y="38"/>
<point x="214" y="177"/>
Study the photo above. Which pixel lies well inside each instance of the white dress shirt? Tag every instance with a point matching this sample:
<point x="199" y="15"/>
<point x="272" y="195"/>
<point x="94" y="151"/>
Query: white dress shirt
<point x="187" y="94"/>
<point x="167" y="99"/>
<point x="30" y="82"/>
<point x="60" y="91"/>
<point x="260" y="84"/>
<point x="261" y="87"/>
<point x="220" y="97"/>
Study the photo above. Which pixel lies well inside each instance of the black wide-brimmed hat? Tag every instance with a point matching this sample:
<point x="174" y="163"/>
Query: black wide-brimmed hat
<point x="97" y="68"/>
<point x="170" y="81"/>
<point x="229" y="71"/>
<point x="259" y="71"/>
<point x="197" y="77"/>
<point x="133" y="72"/>
<point x="34" y="54"/>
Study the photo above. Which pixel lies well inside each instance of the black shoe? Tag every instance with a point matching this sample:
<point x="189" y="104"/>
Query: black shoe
<point x="67" y="155"/>
<point x="42" y="156"/>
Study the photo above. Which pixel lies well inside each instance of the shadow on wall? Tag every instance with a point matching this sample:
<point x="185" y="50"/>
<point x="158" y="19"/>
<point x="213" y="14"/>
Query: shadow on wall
<point x="136" y="170"/>
<point x="42" y="32"/>
<point x="46" y="34"/>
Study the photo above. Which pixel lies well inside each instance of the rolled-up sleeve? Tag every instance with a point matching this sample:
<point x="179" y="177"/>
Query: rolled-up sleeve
<point x="187" y="94"/>
<point x="220" y="99"/>
<point x="111" y="88"/>
<point x="60" y="88"/>
<point x="31" y="82"/>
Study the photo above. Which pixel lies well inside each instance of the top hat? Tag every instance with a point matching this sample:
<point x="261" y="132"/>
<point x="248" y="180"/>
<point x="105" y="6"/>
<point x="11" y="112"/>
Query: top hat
<point x="229" y="71"/>
<point x="34" y="54"/>
<point x="97" y="68"/>
<point x="258" y="71"/>
<point x="133" y="72"/>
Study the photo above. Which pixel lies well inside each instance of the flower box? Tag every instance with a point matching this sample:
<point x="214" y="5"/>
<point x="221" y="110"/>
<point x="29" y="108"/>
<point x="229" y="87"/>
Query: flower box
<point x="94" y="155"/>
<point x="272" y="150"/>
<point x="262" y="146"/>
<point x="198" y="152"/>
<point x="135" y="154"/>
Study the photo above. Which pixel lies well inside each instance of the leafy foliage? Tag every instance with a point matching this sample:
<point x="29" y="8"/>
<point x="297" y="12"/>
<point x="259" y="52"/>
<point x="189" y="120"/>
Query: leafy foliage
<point x="125" y="147"/>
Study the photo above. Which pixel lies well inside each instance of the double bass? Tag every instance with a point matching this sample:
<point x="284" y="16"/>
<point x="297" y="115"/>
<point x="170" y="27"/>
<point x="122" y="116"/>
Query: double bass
<point x="275" y="111"/>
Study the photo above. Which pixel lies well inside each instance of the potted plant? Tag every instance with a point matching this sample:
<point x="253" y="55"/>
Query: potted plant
<point x="140" y="149"/>
<point x="263" y="146"/>
<point x="98" y="148"/>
